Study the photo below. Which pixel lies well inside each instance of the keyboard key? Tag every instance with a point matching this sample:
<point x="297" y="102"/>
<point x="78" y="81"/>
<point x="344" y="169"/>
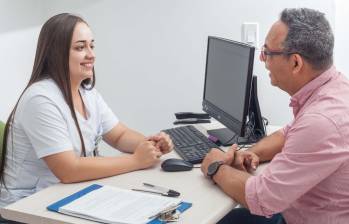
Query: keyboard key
<point x="190" y="143"/>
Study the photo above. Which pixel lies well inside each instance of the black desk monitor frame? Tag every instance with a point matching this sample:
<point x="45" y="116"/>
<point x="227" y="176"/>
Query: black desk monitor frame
<point x="244" y="118"/>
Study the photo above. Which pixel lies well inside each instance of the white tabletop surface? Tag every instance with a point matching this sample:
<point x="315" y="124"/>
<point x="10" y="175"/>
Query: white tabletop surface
<point x="210" y="204"/>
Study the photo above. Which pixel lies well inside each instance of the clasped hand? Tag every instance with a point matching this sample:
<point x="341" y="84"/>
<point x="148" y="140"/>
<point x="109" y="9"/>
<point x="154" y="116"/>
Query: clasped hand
<point x="162" y="142"/>
<point x="149" y="151"/>
<point x="242" y="160"/>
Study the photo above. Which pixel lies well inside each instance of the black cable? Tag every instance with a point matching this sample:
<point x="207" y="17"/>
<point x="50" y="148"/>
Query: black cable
<point x="266" y="123"/>
<point x="250" y="132"/>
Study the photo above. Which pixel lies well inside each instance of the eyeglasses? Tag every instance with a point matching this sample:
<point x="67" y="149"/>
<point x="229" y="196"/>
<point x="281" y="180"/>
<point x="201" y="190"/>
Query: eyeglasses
<point x="265" y="53"/>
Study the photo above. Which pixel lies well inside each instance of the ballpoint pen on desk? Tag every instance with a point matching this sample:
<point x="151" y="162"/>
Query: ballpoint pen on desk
<point x="163" y="189"/>
<point x="159" y="190"/>
<point x="153" y="192"/>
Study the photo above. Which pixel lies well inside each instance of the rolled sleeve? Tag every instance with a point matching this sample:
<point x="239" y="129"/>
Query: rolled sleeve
<point x="285" y="129"/>
<point x="252" y="199"/>
<point x="302" y="164"/>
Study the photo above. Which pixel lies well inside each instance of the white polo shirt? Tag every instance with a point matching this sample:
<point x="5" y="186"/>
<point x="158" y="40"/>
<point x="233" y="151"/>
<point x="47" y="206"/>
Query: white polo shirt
<point x="43" y="125"/>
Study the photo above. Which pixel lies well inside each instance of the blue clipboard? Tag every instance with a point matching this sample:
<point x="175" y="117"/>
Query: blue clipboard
<point x="55" y="206"/>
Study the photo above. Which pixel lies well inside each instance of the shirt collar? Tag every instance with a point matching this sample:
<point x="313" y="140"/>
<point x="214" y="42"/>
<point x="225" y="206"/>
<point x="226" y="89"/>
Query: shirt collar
<point x="299" y="98"/>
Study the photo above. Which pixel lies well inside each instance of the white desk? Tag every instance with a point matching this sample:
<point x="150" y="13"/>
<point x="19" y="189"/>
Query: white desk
<point x="210" y="204"/>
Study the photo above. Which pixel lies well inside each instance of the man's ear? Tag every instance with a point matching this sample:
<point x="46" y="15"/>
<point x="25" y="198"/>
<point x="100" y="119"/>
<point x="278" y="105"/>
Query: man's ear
<point x="297" y="63"/>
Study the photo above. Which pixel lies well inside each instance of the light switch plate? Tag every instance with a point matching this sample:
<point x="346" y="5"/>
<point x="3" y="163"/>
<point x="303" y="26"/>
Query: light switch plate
<point x="250" y="33"/>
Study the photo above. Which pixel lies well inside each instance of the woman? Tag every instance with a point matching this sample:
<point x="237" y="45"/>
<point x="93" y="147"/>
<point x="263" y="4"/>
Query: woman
<point x="52" y="134"/>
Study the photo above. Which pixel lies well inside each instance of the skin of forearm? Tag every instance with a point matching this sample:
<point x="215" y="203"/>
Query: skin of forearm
<point x="128" y="141"/>
<point x="232" y="182"/>
<point x="269" y="146"/>
<point x="90" y="168"/>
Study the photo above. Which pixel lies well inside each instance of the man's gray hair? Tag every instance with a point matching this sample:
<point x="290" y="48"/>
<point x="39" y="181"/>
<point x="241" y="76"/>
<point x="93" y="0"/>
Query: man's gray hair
<point x="310" y="35"/>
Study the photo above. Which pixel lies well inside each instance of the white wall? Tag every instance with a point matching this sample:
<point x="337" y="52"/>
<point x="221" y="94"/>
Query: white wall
<point x="341" y="36"/>
<point x="151" y="54"/>
<point x="20" y="23"/>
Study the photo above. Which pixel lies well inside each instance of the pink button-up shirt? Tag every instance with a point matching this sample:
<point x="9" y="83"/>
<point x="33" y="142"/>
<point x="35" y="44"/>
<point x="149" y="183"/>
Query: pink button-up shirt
<point x="308" y="181"/>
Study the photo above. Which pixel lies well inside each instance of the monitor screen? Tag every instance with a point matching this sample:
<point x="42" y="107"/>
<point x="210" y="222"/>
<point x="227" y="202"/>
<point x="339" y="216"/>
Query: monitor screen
<point x="228" y="78"/>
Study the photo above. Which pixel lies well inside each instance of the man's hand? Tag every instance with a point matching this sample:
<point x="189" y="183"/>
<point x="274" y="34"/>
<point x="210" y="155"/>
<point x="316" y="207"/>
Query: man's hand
<point x="162" y="142"/>
<point x="246" y="161"/>
<point x="217" y="155"/>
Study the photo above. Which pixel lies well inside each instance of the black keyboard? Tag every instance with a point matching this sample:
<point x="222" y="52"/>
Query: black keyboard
<point x="190" y="143"/>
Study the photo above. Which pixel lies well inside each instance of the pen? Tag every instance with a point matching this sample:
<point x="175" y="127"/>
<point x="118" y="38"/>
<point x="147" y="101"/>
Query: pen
<point x="153" y="192"/>
<point x="169" y="192"/>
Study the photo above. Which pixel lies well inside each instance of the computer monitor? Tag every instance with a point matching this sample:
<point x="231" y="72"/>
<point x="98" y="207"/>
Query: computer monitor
<point x="255" y="116"/>
<point x="228" y="94"/>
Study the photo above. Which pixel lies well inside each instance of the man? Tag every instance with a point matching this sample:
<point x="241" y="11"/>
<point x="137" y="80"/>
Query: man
<point x="307" y="180"/>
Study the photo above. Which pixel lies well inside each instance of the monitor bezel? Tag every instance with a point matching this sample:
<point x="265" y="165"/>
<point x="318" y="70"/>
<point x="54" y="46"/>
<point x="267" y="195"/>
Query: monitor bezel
<point x="232" y="123"/>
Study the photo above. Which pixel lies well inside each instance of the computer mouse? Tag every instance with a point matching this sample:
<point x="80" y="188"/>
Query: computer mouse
<point x="174" y="165"/>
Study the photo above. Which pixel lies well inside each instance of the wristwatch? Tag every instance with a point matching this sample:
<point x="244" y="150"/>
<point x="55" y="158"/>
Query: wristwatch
<point x="213" y="168"/>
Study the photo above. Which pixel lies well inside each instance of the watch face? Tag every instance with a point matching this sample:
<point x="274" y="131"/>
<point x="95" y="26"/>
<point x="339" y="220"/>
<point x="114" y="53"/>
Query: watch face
<point x="213" y="167"/>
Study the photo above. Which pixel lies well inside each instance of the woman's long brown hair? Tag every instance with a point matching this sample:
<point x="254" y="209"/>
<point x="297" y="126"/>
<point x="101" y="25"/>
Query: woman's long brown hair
<point x="51" y="61"/>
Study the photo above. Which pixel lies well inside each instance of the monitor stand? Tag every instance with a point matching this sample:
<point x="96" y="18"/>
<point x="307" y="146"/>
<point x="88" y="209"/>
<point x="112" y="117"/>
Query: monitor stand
<point x="227" y="137"/>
